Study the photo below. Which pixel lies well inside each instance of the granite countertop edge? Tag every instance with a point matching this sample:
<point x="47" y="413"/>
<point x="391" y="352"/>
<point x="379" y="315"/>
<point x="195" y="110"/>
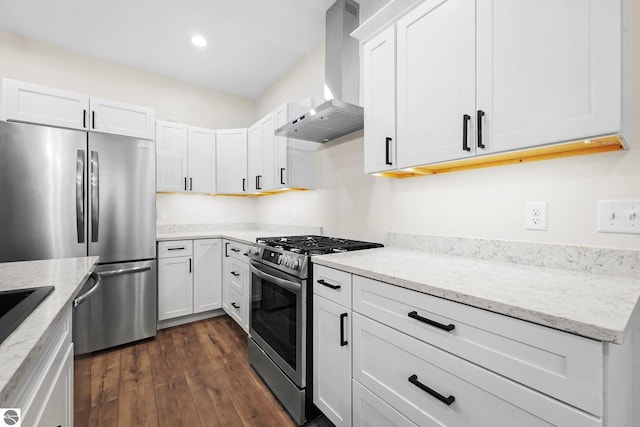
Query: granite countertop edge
<point x="612" y="326"/>
<point x="27" y="342"/>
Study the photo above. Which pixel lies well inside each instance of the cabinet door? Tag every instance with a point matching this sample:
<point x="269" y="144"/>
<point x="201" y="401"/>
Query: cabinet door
<point x="226" y="281"/>
<point x="207" y="275"/>
<point x="254" y="156"/>
<point x="31" y="103"/>
<point x="371" y="411"/>
<point x="201" y="149"/>
<point x="175" y="287"/>
<point x="171" y="156"/>
<point x="231" y="161"/>
<point x="281" y="117"/>
<point x="332" y="363"/>
<point x="379" y="101"/>
<point x="122" y="119"/>
<point x="543" y="86"/>
<point x="436" y="82"/>
<point x="58" y="405"/>
<point x="267" y="179"/>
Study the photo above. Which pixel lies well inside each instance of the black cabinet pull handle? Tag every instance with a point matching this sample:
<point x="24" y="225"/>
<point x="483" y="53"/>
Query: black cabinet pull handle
<point x="479" y="124"/>
<point x="190" y="184"/>
<point x="244" y="184"/>
<point x="235" y="305"/>
<point x="226" y="250"/>
<point x="235" y="273"/>
<point x="465" y="126"/>
<point x="177" y="248"/>
<point x="328" y="285"/>
<point x="84" y="119"/>
<point x="388" y="152"/>
<point x="185" y="183"/>
<point x="189" y="265"/>
<point x="413" y="379"/>
<point x="448" y="328"/>
<point x="282" y="176"/>
<point x="343" y="342"/>
<point x="93" y="119"/>
<point x="236" y="250"/>
<point x="245" y="253"/>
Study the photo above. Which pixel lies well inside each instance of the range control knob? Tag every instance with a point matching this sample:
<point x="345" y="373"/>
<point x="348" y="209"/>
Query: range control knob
<point x="295" y="263"/>
<point x="254" y="250"/>
<point x="280" y="259"/>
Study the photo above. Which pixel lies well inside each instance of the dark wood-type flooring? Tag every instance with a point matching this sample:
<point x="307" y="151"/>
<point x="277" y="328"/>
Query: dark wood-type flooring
<point x="191" y="375"/>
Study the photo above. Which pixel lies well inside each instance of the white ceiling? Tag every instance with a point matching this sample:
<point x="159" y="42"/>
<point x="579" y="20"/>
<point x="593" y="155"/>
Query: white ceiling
<point x="250" y="42"/>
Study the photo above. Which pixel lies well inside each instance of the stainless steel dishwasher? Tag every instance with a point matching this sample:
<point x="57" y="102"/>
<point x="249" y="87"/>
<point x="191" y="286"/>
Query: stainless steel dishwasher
<point x="116" y="305"/>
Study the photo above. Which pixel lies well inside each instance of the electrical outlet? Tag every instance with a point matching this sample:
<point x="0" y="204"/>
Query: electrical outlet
<point x="619" y="216"/>
<point x="535" y="216"/>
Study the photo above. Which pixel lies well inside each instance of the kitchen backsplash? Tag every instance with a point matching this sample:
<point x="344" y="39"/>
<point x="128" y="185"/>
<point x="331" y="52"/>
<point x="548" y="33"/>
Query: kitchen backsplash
<point x="272" y="228"/>
<point x="617" y="262"/>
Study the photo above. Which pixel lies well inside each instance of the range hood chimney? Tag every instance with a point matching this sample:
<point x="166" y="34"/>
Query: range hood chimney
<point x="340" y="114"/>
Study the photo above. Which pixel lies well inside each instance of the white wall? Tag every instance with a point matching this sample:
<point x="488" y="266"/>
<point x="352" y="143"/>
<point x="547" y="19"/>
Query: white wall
<point x="41" y="63"/>
<point x="486" y="203"/>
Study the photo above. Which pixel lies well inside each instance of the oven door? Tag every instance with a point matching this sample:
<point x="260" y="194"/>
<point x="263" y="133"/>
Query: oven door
<point x="277" y="320"/>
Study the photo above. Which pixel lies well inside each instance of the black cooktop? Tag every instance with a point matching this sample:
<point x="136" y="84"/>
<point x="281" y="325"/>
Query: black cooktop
<point x="316" y="245"/>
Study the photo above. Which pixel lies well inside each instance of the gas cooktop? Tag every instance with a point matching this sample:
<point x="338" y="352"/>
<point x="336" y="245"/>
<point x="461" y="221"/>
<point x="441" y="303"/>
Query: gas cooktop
<point x="315" y="245"/>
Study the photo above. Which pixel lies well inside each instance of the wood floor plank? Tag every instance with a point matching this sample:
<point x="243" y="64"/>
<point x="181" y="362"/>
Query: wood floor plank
<point x="136" y="401"/>
<point x="191" y="375"/>
<point x="105" y="377"/>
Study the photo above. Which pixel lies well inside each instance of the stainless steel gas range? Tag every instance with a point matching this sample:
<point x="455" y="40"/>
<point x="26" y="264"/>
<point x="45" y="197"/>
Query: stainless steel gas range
<point x="280" y="324"/>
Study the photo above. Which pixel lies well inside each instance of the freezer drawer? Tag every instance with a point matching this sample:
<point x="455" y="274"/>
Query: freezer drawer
<point x="119" y="309"/>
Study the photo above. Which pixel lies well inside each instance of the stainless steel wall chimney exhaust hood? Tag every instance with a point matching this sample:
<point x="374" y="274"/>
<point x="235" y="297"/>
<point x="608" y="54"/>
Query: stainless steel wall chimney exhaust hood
<point x="341" y="114"/>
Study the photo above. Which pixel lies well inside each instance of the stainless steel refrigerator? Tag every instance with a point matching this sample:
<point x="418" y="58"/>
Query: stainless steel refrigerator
<point x="67" y="193"/>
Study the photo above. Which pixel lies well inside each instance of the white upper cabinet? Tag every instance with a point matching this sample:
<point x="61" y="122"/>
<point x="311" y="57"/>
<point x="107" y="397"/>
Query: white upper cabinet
<point x="548" y="71"/>
<point x="31" y="103"/>
<point x="201" y="159"/>
<point x="254" y="157"/>
<point x="185" y="157"/>
<point x="171" y="156"/>
<point x="436" y="76"/>
<point x="27" y="102"/>
<point x="122" y="119"/>
<point x="488" y="76"/>
<point x="231" y="161"/>
<point x="379" y="101"/>
<point x="294" y="159"/>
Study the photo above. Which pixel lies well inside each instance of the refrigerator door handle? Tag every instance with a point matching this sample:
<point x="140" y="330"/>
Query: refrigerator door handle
<point x="95" y="196"/>
<point x="80" y="196"/>
<point x="81" y="298"/>
<point x="123" y="271"/>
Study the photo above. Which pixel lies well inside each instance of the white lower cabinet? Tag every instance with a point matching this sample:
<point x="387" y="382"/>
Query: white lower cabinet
<point x="236" y="282"/>
<point x="45" y="394"/>
<point x="390" y="356"/>
<point x="189" y="278"/>
<point x="332" y="365"/>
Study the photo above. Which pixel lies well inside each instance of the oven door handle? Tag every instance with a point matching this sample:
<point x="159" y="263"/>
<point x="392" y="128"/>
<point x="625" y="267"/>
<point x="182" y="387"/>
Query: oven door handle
<point x="287" y="284"/>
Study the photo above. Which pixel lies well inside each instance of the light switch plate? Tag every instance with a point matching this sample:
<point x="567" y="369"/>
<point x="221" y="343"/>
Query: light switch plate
<point x="619" y="216"/>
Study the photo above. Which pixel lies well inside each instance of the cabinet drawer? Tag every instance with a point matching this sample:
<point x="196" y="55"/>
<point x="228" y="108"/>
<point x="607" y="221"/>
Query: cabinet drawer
<point x="334" y="285"/>
<point x="371" y="411"/>
<point x="237" y="307"/>
<point x="415" y="378"/>
<point x="175" y="248"/>
<point x="236" y="274"/>
<point x="236" y="250"/>
<point x="562" y="365"/>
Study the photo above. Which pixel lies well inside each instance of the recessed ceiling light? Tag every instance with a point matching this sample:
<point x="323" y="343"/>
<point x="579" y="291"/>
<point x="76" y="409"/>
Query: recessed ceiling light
<point x="199" y="41"/>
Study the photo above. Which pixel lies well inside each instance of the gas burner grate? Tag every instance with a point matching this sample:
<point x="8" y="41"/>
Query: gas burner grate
<point x="316" y="245"/>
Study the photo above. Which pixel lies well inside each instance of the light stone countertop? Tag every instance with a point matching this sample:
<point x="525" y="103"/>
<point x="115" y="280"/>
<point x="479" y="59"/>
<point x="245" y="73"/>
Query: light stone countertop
<point x="596" y="306"/>
<point x="27" y="340"/>
<point x="242" y="236"/>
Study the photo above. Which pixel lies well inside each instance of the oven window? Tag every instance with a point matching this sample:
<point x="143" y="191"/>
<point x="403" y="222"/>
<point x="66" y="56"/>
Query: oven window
<point x="273" y="318"/>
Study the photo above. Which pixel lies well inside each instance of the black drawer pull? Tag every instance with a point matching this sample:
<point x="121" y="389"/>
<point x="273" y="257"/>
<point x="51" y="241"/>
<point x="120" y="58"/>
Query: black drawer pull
<point x="413" y="379"/>
<point x="235" y="305"/>
<point x="180" y="248"/>
<point x="448" y="328"/>
<point x="480" y="115"/>
<point x="235" y="274"/>
<point x="328" y="285"/>
<point x="189" y="265"/>
<point x="235" y="249"/>
<point x="343" y="342"/>
<point x="387" y="155"/>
